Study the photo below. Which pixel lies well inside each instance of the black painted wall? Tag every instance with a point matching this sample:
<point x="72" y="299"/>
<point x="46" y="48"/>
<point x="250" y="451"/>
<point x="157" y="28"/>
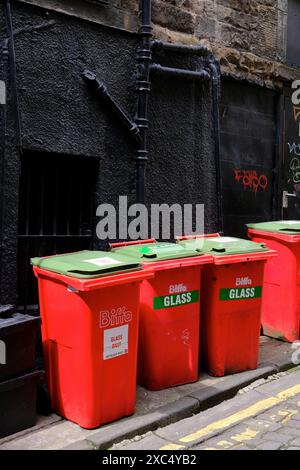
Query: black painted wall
<point x="248" y="155"/>
<point x="59" y="116"/>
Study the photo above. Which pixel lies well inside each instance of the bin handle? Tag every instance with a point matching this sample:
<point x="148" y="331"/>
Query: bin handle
<point x="193" y="237"/>
<point x="136" y="242"/>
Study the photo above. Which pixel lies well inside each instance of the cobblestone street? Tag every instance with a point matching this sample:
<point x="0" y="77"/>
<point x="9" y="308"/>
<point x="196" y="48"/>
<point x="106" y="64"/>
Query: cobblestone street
<point x="277" y="429"/>
<point x="264" y="417"/>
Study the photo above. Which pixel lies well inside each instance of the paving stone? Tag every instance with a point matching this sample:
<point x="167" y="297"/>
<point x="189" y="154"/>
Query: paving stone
<point x="262" y="425"/>
<point x="269" y="445"/>
<point x="292" y="448"/>
<point x="242" y="447"/>
<point x="290" y="431"/>
<point x="277" y="437"/>
<point x="296" y="442"/>
<point x="243" y="434"/>
<point x="294" y="423"/>
<point x="277" y="353"/>
<point x="220" y="443"/>
<point x="80" y="445"/>
<point x="152" y="442"/>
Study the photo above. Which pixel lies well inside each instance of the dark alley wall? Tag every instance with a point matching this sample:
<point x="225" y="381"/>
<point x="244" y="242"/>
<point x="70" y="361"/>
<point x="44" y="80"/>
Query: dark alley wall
<point x="59" y="116"/>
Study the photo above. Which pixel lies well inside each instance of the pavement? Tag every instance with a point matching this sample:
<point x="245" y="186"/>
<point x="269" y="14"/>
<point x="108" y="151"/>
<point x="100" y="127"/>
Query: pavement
<point x="158" y="410"/>
<point x="264" y="418"/>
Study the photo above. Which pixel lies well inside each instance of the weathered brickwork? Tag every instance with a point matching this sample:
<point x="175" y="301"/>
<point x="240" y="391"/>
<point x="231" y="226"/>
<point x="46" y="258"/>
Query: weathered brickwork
<point x="247" y="36"/>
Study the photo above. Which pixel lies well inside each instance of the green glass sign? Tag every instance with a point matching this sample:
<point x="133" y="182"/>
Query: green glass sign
<point x="176" y="300"/>
<point x="241" y="293"/>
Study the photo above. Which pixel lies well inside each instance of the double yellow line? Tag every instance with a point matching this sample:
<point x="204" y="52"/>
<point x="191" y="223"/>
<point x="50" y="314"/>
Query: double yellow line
<point x="235" y="418"/>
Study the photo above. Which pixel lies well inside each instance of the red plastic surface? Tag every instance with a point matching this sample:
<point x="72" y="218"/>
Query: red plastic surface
<point x="87" y="285"/>
<point x="281" y="301"/>
<point x="193" y="237"/>
<point x="230" y="329"/>
<point x="169" y="337"/>
<point x="86" y="384"/>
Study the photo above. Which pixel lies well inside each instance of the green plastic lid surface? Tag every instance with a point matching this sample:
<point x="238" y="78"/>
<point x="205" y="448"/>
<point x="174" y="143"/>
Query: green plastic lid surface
<point x="224" y="246"/>
<point x="290" y="227"/>
<point x="86" y="264"/>
<point x="151" y="252"/>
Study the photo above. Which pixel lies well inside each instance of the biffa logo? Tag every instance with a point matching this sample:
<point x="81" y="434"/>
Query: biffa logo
<point x="114" y="317"/>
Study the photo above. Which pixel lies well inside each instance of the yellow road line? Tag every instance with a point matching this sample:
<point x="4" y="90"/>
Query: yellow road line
<point x="247" y="435"/>
<point x="241" y="415"/>
<point x="225" y="444"/>
<point x="288" y="415"/>
<point x="171" y="447"/>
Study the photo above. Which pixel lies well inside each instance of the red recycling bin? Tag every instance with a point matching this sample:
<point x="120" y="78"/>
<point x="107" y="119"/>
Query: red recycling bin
<point x="90" y="336"/>
<point x="169" y="313"/>
<point x="232" y="289"/>
<point x="281" y="303"/>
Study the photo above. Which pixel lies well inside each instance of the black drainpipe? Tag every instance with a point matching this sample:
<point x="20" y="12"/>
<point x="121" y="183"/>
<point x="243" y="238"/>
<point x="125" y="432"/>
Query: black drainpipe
<point x="144" y="57"/>
<point x="216" y="87"/>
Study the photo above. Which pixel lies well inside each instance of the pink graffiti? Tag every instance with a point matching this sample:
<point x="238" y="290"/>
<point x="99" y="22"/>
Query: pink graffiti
<point x="251" y="180"/>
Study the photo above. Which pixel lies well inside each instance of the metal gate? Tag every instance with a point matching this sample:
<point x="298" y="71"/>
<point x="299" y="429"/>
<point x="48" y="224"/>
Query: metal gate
<point x="56" y="213"/>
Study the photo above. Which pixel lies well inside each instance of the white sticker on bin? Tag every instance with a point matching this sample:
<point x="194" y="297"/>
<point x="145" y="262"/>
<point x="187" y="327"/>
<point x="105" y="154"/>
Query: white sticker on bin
<point x="115" y="342"/>
<point x="223" y="239"/>
<point x="105" y="261"/>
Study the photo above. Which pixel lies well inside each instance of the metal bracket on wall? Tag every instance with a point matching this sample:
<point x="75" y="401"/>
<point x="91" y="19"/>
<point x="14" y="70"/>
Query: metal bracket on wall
<point x="101" y="89"/>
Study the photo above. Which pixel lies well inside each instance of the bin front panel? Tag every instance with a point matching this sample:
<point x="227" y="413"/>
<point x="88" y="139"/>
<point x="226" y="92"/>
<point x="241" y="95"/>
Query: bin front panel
<point x="281" y="301"/>
<point x="169" y="328"/>
<point x="90" y="345"/>
<point x="230" y="317"/>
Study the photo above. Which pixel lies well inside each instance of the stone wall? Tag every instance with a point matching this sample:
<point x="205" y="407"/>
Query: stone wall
<point x="247" y="36"/>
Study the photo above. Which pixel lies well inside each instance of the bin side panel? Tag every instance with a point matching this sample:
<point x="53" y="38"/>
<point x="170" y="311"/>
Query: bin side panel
<point x="169" y="328"/>
<point x="281" y="301"/>
<point x="231" y="316"/>
<point x="87" y="385"/>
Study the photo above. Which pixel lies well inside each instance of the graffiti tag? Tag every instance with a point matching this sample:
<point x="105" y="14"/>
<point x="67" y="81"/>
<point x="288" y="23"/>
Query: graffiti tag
<point x="251" y="180"/>
<point x="295" y="170"/>
<point x="294" y="148"/>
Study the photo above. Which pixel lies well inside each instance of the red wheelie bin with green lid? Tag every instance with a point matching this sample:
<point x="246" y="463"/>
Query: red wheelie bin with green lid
<point x="169" y="312"/>
<point x="232" y="289"/>
<point x="281" y="302"/>
<point x="89" y="303"/>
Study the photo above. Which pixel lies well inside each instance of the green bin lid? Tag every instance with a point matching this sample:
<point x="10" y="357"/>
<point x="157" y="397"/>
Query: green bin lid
<point x="224" y="246"/>
<point x="86" y="264"/>
<point x="290" y="227"/>
<point x="151" y="252"/>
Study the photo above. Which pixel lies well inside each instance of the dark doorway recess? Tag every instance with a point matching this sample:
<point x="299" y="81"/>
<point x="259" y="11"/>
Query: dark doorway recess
<point x="248" y="154"/>
<point x="56" y="212"/>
